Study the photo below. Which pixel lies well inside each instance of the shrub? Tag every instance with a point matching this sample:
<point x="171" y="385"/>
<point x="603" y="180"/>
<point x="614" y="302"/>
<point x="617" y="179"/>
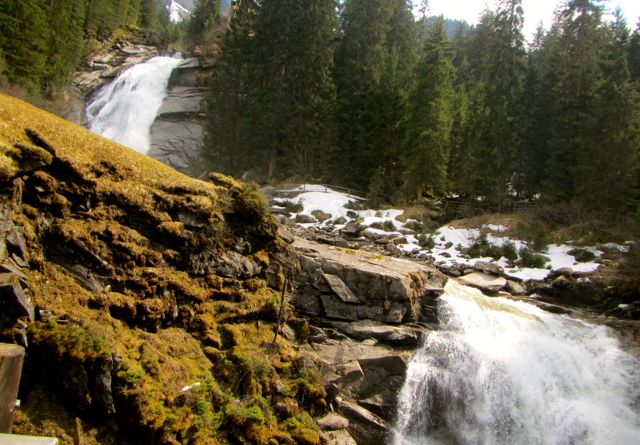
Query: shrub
<point x="531" y="259"/>
<point x="582" y="255"/>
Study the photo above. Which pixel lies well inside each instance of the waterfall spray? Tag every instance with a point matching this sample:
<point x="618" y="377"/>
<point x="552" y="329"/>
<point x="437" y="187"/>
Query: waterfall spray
<point x="506" y="372"/>
<point x="125" y="109"/>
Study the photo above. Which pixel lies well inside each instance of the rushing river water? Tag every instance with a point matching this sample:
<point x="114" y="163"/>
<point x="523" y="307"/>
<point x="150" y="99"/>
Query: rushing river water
<point x="505" y="372"/>
<point x="125" y="109"/>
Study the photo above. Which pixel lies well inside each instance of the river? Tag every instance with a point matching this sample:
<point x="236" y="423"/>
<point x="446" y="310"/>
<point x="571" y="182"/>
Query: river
<point x="506" y="372"/>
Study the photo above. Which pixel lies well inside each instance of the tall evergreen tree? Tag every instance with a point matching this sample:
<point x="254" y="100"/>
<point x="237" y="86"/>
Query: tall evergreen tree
<point x="426" y="155"/>
<point x="66" y="44"/>
<point x="608" y="178"/>
<point x="25" y="31"/>
<point x="375" y="64"/>
<point x="202" y="22"/>
<point x="228" y="140"/>
<point x="293" y="85"/>
<point x="500" y="76"/>
<point x="575" y="67"/>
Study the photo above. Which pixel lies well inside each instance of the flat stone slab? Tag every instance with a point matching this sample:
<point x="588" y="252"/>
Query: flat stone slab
<point x="333" y="421"/>
<point x="14" y="439"/>
<point x="341" y="289"/>
<point x="484" y="282"/>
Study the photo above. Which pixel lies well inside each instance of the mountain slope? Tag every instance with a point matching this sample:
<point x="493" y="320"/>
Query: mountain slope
<point x="151" y="309"/>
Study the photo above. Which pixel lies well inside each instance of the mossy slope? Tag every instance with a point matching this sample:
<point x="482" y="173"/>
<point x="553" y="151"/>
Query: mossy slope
<point x="154" y="309"/>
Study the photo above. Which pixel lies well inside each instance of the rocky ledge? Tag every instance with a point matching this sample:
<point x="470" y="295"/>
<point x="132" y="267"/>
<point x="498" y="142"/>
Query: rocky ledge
<point x="143" y="297"/>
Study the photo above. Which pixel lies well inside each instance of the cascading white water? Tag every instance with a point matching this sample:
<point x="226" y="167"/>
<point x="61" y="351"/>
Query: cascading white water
<point x="505" y="372"/>
<point x="124" y="110"/>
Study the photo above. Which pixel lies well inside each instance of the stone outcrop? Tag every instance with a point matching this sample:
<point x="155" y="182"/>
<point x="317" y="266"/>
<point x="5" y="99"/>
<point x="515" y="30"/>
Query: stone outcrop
<point x="350" y="285"/>
<point x="177" y="133"/>
<point x="144" y="296"/>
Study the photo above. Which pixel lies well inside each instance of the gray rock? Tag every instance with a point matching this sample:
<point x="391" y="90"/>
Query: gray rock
<point x="516" y="288"/>
<point x="341" y="289"/>
<point x="484" y="282"/>
<point x="333" y="421"/>
<point x="352" y="228"/>
<point x="388" y="289"/>
<point x="335" y="308"/>
<point x="340" y="437"/>
<point x="364" y="425"/>
<point x="364" y="329"/>
<point x="488" y="268"/>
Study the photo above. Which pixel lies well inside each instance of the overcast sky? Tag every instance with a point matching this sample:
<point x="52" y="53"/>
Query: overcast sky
<point x="535" y="11"/>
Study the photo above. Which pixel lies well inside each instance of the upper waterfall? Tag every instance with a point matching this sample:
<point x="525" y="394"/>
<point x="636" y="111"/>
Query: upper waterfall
<point x="125" y="109"/>
<point x="505" y="372"/>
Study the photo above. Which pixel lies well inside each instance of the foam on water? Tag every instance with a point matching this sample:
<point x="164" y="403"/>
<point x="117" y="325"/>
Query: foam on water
<point x="505" y="372"/>
<point x="125" y="109"/>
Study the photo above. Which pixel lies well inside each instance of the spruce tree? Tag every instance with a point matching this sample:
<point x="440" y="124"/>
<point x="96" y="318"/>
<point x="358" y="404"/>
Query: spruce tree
<point x="374" y="71"/>
<point x="228" y="134"/>
<point x="428" y="140"/>
<point x="293" y="86"/>
<point x="66" y="44"/>
<point x="608" y="177"/>
<point x="500" y="73"/>
<point x="575" y="76"/>
<point x="25" y="32"/>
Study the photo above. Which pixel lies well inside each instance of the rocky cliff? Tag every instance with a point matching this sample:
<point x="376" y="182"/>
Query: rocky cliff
<point x="177" y="132"/>
<point x="143" y="296"/>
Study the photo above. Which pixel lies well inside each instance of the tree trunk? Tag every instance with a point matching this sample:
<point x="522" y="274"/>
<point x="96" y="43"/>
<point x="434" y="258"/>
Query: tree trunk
<point x="11" y="357"/>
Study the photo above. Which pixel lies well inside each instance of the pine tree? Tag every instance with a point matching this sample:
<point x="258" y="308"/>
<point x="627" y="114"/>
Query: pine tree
<point x="575" y="72"/>
<point x="202" y="22"/>
<point x="25" y="31"/>
<point x="426" y="155"/>
<point x="375" y="64"/>
<point x="608" y="177"/>
<point x="293" y="86"/>
<point x="66" y="44"/>
<point x="228" y="138"/>
<point x="500" y="73"/>
<point x="634" y="55"/>
<point x="149" y="17"/>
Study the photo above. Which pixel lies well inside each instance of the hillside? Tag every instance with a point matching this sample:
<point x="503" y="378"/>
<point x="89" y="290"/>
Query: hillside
<point x="144" y="296"/>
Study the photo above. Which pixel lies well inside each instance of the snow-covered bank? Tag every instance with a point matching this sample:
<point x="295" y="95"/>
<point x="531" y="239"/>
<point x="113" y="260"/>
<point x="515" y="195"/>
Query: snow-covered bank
<point x="446" y="247"/>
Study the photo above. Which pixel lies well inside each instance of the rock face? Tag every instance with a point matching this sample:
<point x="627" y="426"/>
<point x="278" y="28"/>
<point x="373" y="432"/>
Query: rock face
<point x="177" y="134"/>
<point x="143" y="295"/>
<point x="362" y="379"/>
<point x="352" y="285"/>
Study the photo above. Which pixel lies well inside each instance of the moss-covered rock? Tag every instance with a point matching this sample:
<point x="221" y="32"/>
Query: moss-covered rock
<point x="153" y="309"/>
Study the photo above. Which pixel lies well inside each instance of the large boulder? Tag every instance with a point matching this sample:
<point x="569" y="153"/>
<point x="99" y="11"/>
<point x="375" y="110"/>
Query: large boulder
<point x="356" y="285"/>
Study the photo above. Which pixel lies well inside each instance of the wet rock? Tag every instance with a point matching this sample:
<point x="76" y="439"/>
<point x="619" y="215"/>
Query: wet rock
<point x="364" y="426"/>
<point x="364" y="329"/>
<point x="516" y="288"/>
<point x="484" y="282"/>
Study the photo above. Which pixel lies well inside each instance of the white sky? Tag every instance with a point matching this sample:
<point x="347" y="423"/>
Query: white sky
<point x="535" y="11"/>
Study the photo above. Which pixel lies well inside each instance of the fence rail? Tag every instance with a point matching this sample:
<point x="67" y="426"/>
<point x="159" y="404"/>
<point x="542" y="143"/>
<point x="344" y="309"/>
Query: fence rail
<point x="323" y="188"/>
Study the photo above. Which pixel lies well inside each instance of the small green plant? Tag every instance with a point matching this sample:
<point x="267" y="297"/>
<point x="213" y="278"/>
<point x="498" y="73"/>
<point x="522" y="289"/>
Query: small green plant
<point x="531" y="259"/>
<point x="426" y="240"/>
<point x="386" y="225"/>
<point x="582" y="255"/>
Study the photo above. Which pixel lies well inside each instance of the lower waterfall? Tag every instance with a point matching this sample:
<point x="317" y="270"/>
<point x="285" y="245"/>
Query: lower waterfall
<point x="505" y="372"/>
<point x="125" y="109"/>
